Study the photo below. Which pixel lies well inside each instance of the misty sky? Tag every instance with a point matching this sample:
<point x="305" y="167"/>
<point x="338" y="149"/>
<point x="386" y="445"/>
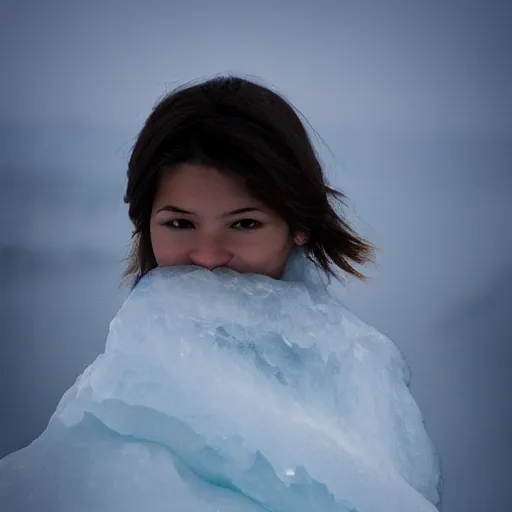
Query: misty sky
<point x="413" y="103"/>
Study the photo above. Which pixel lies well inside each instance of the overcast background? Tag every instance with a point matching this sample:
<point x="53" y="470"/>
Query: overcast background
<point x="413" y="101"/>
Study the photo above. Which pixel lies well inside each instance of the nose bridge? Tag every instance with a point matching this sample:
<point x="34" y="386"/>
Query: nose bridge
<point x="209" y="251"/>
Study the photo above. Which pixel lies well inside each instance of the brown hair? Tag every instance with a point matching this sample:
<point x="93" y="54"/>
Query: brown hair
<point x="245" y="129"/>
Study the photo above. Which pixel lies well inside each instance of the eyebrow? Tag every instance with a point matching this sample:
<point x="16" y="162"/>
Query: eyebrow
<point x="175" y="209"/>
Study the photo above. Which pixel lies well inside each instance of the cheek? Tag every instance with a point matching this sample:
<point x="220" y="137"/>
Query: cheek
<point x="269" y="251"/>
<point x="166" y="253"/>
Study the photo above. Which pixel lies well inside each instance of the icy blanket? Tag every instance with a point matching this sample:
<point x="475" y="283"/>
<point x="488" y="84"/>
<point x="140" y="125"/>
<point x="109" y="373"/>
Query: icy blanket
<point x="219" y="391"/>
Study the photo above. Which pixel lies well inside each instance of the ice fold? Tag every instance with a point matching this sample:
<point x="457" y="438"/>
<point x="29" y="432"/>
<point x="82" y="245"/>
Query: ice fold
<point x="220" y="391"/>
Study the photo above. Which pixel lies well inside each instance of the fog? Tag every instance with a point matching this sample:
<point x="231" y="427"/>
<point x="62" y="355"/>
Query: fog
<point x="413" y="105"/>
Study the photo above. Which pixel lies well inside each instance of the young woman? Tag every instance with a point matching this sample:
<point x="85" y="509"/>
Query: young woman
<point x="231" y="379"/>
<point x="223" y="174"/>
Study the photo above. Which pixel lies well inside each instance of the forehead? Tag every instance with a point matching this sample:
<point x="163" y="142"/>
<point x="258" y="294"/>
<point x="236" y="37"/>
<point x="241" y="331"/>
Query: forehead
<point x="190" y="182"/>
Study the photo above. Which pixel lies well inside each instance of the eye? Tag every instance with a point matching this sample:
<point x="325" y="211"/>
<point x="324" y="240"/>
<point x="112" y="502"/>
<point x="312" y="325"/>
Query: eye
<point x="179" y="224"/>
<point x="246" y="224"/>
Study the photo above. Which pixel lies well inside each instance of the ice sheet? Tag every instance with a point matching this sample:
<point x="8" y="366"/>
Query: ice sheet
<point x="220" y="391"/>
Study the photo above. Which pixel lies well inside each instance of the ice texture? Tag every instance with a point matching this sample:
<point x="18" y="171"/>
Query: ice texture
<point x="224" y="392"/>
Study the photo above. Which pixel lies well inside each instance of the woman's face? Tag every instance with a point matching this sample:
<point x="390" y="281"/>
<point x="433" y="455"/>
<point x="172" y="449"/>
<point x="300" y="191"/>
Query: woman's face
<point x="203" y="217"/>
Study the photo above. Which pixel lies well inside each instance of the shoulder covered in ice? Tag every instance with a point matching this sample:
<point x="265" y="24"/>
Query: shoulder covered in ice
<point x="270" y="389"/>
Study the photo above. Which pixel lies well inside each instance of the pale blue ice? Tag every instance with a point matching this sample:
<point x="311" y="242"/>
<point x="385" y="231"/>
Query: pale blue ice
<point x="224" y="392"/>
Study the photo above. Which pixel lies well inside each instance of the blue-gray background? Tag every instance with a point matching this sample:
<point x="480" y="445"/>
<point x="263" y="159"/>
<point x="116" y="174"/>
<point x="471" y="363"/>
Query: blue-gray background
<point x="413" y="99"/>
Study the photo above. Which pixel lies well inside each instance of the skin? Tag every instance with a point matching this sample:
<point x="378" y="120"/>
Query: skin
<point x="203" y="217"/>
